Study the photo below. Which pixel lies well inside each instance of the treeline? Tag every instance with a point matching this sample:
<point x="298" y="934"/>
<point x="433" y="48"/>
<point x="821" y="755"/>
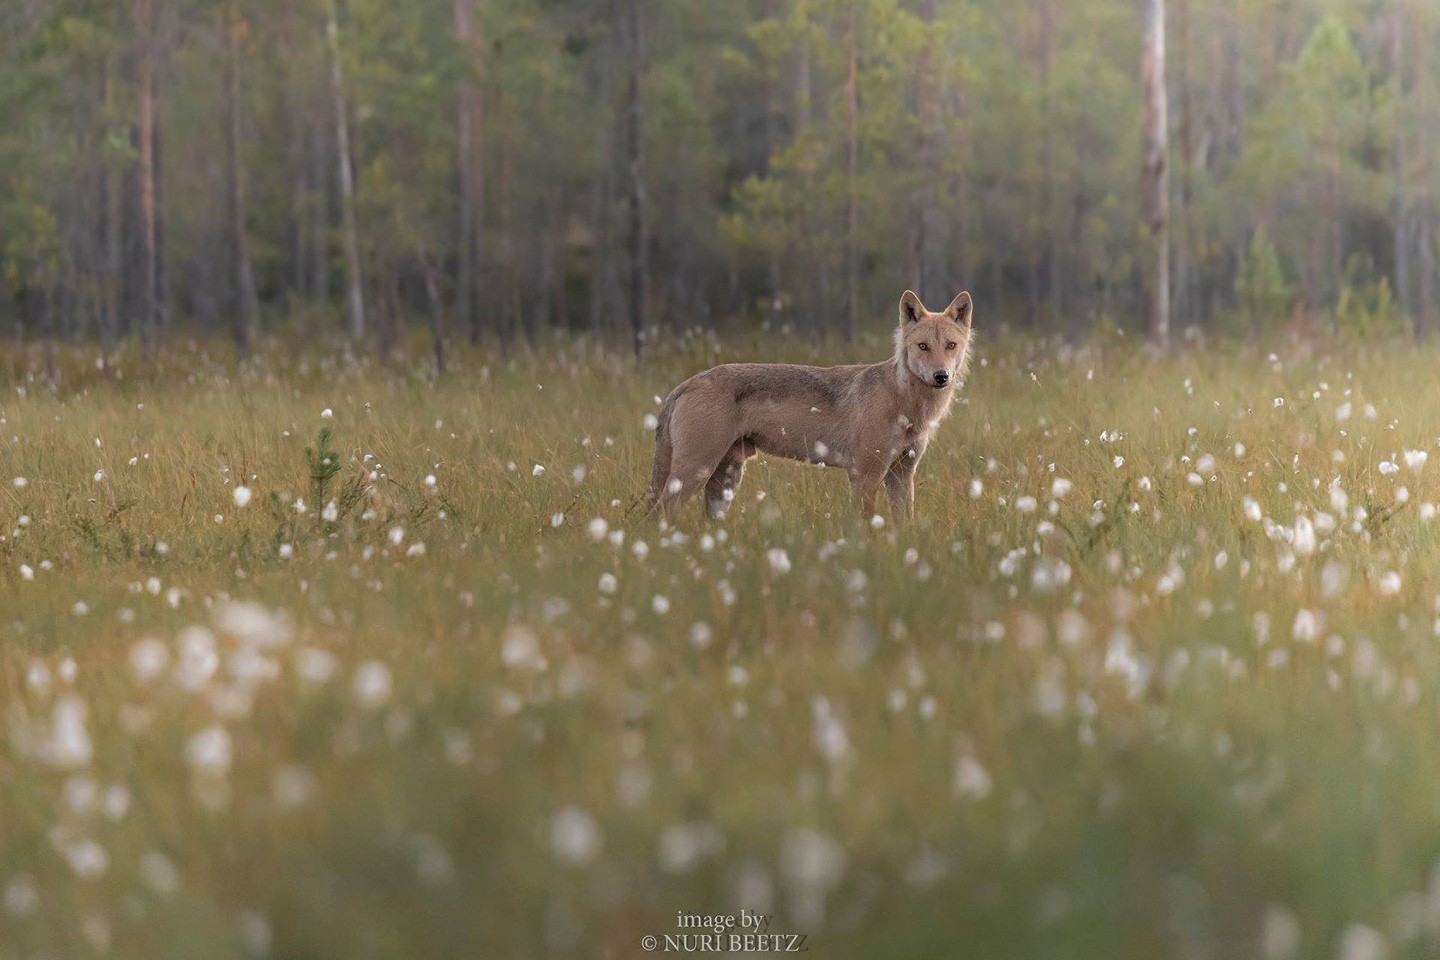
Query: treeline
<point x="498" y="168"/>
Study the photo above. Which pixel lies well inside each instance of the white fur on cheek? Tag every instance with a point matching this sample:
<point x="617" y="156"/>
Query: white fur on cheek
<point x="962" y="368"/>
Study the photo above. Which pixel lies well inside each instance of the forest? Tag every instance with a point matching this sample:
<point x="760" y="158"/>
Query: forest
<point x="491" y="171"/>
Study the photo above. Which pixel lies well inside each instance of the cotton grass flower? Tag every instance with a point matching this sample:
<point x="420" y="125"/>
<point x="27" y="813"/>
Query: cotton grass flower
<point x="209" y="753"/>
<point x="1050" y="574"/>
<point x="575" y="836"/>
<point x="292" y="785"/>
<point x="68" y="746"/>
<point x="1304" y="543"/>
<point x="520" y="648"/>
<point x="149" y="658"/>
<point x="701" y="635"/>
<point x="241" y="496"/>
<point x="972" y="781"/>
<point x="86" y="858"/>
<point x="159" y="873"/>
<point x="831" y="739"/>
<point x="314" y="666"/>
<point x="21" y="895"/>
<point x="684" y="846"/>
<point x="812" y="864"/>
<point x="372" y="684"/>
<point x="253" y="624"/>
<point x="198" y="659"/>
<point x="1307" y="627"/>
<point x="1359" y="942"/>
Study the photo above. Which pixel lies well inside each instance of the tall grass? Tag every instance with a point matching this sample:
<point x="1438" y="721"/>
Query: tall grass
<point x="1154" y="671"/>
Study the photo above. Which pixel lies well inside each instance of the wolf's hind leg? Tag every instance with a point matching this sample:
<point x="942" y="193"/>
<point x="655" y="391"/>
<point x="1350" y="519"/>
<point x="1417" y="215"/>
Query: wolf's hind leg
<point x="660" y="468"/>
<point x="724" y="483"/>
<point x="698" y="450"/>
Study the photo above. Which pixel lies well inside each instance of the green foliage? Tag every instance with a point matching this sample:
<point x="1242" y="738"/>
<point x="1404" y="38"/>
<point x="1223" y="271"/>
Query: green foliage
<point x="324" y="464"/>
<point x="1310" y="158"/>
<point x="1366" y="309"/>
<point x="996" y="148"/>
<point x="1263" y="297"/>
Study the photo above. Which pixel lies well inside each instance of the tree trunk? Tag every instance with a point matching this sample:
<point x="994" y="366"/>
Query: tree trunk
<point x="1427" y="278"/>
<point x="298" y="181"/>
<point x="356" y="298"/>
<point x="926" y="108"/>
<point x="1426" y="227"/>
<point x="1235" y="78"/>
<point x="144" y="13"/>
<point x="468" y="120"/>
<point x="772" y="144"/>
<point x="603" y="200"/>
<point x="1400" y="171"/>
<point x="808" y="265"/>
<point x="852" y="177"/>
<point x="635" y="148"/>
<point x="1048" y="287"/>
<point x="246" y="303"/>
<point x="319" y="214"/>
<point x="1183" y="302"/>
<point x="1157" y="174"/>
<point x="509" y="321"/>
<point x="113" y="236"/>
<point x="437" y="309"/>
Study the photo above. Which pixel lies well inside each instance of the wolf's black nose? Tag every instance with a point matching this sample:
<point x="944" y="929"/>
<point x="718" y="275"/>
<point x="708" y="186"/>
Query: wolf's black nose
<point x="941" y="378"/>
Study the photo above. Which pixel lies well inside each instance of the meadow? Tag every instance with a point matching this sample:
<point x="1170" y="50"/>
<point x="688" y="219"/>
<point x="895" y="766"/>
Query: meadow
<point x="324" y="657"/>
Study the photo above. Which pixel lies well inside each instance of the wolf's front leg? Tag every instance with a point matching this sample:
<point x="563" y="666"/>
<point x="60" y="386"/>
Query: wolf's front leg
<point x="900" y="485"/>
<point x="864" y="485"/>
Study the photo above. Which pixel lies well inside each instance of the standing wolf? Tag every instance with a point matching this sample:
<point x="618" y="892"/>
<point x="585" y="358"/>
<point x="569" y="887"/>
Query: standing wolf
<point x="872" y="420"/>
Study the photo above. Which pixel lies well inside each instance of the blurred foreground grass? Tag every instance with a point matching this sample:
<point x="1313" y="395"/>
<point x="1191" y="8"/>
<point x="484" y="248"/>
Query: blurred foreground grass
<point x="1154" y="673"/>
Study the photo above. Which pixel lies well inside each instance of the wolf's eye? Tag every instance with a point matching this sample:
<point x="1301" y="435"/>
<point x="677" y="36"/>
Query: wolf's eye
<point x="925" y="347"/>
<point x="950" y="345"/>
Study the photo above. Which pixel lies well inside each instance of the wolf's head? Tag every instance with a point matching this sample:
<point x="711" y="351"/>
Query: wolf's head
<point x="934" y="347"/>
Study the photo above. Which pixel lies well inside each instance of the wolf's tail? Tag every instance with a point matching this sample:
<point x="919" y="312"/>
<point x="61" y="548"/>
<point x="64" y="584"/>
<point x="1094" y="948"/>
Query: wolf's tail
<point x="660" y="469"/>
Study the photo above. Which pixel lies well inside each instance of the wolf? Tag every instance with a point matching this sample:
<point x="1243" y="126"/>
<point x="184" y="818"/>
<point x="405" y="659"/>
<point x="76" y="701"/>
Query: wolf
<point x="873" y="420"/>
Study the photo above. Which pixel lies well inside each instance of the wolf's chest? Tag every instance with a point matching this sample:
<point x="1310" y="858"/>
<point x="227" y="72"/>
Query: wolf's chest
<point x="911" y="435"/>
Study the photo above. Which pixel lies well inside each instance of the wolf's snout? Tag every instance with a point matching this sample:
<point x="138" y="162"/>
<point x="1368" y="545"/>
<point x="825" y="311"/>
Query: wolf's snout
<point x="941" y="378"/>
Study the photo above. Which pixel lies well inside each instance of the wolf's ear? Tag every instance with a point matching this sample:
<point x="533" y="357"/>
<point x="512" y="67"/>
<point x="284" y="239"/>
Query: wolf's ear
<point x="911" y="309"/>
<point x="961" y="310"/>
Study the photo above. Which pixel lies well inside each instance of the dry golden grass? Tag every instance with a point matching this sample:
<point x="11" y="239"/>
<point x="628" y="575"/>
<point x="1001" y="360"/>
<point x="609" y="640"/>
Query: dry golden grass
<point x="1137" y="717"/>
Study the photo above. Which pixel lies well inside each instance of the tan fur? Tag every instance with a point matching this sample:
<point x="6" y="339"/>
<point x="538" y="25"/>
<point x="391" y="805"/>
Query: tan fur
<point x="872" y="420"/>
